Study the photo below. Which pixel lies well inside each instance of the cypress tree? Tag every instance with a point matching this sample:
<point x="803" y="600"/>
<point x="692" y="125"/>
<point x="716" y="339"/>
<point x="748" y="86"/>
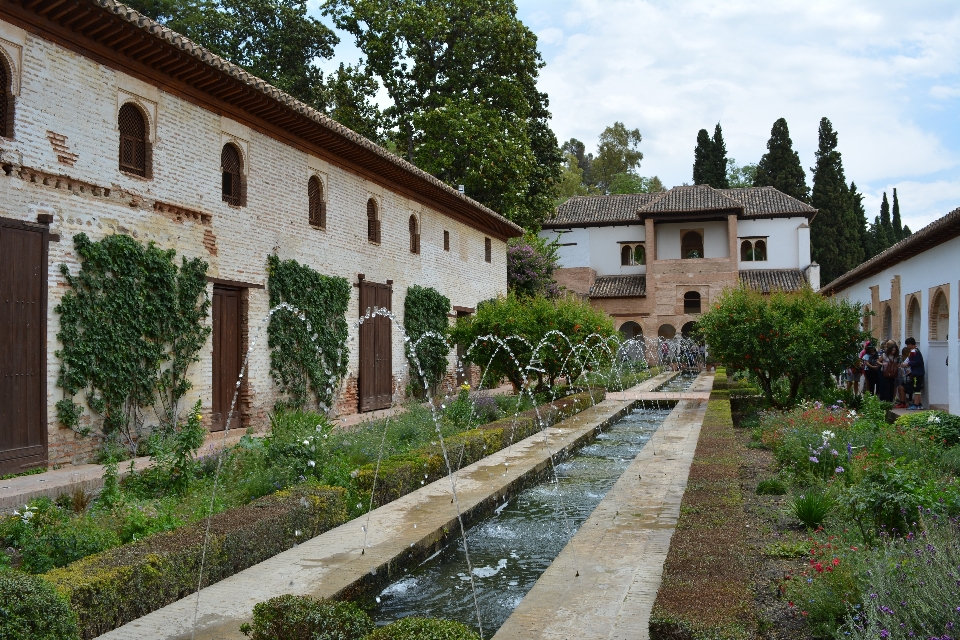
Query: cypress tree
<point x="897" y="222"/>
<point x="835" y="241"/>
<point x="702" y="158"/>
<point x="719" y="173"/>
<point x="780" y="166"/>
<point x="885" y="236"/>
<point x="860" y="217"/>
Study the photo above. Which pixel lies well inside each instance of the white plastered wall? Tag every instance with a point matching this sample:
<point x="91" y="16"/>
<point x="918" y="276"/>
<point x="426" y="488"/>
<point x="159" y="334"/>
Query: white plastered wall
<point x="788" y="246"/>
<point x="715" y="239"/>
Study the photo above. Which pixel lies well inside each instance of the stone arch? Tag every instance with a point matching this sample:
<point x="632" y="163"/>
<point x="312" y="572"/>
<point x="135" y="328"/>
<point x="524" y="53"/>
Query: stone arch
<point x="887" y="332"/>
<point x="691" y="244"/>
<point x="631" y="329"/>
<point x="687" y="329"/>
<point x="914" y="314"/>
<point x="667" y="331"/>
<point x="939" y="319"/>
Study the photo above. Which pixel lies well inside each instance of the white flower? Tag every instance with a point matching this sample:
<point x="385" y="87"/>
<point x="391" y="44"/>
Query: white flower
<point x="828" y="434"/>
<point x="306" y="443"/>
<point x="311" y="463"/>
<point x="297" y="533"/>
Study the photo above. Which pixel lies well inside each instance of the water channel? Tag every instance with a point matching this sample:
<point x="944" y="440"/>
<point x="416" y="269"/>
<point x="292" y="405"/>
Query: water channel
<point x="512" y="547"/>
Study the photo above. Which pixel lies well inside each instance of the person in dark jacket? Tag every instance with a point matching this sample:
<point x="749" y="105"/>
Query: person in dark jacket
<point x="871" y="369"/>
<point x="918" y="373"/>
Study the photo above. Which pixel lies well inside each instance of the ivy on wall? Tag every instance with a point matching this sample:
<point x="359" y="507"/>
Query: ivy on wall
<point x="131" y="323"/>
<point x="425" y="310"/>
<point x="308" y="355"/>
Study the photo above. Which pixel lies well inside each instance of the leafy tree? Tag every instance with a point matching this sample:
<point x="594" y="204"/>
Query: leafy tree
<point x="425" y="311"/>
<point x="782" y="338"/>
<point x="617" y="153"/>
<point x="511" y="332"/>
<point x="571" y="180"/>
<point x="710" y="159"/>
<point x="836" y="241"/>
<point x="780" y="166"/>
<point x="584" y="160"/>
<point x="632" y="183"/>
<point x="461" y="77"/>
<point x="740" y="177"/>
<point x="531" y="261"/>
<point x="898" y="234"/>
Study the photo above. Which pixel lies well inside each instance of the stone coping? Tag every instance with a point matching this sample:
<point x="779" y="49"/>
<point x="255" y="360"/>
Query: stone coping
<point x="337" y="564"/>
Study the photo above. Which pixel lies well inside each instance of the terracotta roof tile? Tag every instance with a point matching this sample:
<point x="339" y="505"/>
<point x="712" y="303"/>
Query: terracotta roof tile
<point x="619" y="286"/>
<point x="759" y="202"/>
<point x="768" y="280"/>
<point x="601" y="210"/>
<point x="698" y="197"/>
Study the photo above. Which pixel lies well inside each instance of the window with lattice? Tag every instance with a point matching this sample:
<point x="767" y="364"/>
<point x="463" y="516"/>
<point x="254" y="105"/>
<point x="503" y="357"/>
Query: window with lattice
<point x="414" y="235"/>
<point x="317" y="203"/>
<point x="134" y="143"/>
<point x="446" y="241"/>
<point x="487" y="250"/>
<point x="231" y="165"/>
<point x="6" y="101"/>
<point x="373" y="221"/>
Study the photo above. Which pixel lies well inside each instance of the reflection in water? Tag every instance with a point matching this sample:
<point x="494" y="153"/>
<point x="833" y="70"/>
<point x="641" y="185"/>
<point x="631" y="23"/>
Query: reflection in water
<point x="514" y="546"/>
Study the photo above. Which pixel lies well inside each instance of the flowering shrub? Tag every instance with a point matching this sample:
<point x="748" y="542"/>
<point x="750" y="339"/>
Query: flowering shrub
<point x="936" y="426"/>
<point x="912" y="586"/>
<point x="530" y="265"/>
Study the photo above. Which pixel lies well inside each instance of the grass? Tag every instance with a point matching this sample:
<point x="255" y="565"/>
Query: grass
<point x="31" y="472"/>
<point x="706" y="592"/>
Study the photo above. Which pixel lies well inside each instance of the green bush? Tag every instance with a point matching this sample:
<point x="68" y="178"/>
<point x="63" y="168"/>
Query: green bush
<point x="423" y="629"/>
<point x="112" y="588"/>
<point x="812" y="507"/>
<point x="771" y="487"/>
<point x="290" y="617"/>
<point x="938" y="426"/>
<point x="30" y="609"/>
<point x="425" y="311"/>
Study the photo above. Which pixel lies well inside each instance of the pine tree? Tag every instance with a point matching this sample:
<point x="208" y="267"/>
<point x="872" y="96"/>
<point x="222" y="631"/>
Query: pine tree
<point x="835" y="241"/>
<point x="702" y="158"/>
<point x="897" y="221"/>
<point x="780" y="166"/>
<point x="719" y="172"/>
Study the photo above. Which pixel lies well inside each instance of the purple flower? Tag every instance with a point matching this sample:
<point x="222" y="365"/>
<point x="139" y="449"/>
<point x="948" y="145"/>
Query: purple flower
<point x="813" y="459"/>
<point x="838" y="470"/>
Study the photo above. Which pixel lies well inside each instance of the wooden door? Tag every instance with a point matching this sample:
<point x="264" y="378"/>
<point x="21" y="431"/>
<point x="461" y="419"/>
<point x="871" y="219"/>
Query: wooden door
<point x="226" y="356"/>
<point x="376" y="360"/>
<point x="23" y="320"/>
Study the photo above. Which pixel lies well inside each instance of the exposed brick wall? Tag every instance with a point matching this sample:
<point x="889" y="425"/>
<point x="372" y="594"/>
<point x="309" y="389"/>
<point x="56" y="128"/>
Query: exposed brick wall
<point x="181" y="208"/>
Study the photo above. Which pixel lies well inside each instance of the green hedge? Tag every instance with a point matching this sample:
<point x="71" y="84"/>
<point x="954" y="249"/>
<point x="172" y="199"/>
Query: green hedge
<point x="290" y="617"/>
<point x="423" y="629"/>
<point x="403" y="474"/>
<point x="112" y="588"/>
<point x="705" y="593"/>
<point x="30" y="609"/>
<point x="939" y="426"/>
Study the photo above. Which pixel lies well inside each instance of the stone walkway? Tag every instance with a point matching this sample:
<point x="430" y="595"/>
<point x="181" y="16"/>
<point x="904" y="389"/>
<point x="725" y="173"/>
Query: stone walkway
<point x="604" y="582"/>
<point x="332" y="562"/>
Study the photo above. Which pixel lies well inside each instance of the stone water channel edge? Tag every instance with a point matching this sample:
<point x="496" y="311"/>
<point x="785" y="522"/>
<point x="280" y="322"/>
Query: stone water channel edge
<point x="401" y="534"/>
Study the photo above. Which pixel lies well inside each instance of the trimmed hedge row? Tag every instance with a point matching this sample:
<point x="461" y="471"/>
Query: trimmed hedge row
<point x="117" y="586"/>
<point x="406" y="473"/>
<point x="705" y="592"/>
<point x="31" y="609"/>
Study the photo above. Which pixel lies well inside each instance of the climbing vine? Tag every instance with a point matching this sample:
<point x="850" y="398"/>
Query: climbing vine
<point x="131" y="323"/>
<point x="308" y="354"/>
<point x="425" y="310"/>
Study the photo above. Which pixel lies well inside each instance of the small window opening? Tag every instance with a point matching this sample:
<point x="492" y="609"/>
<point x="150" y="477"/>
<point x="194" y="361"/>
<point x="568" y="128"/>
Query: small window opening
<point x="691" y="302"/>
<point x="691" y="246"/>
<point x="373" y="221"/>
<point x="487" y="250"/>
<point x="6" y="101"/>
<point x="753" y="250"/>
<point x="133" y="140"/>
<point x="318" y="208"/>
<point x="446" y="241"/>
<point x="626" y="255"/>
<point x="414" y="235"/>
<point x="231" y="166"/>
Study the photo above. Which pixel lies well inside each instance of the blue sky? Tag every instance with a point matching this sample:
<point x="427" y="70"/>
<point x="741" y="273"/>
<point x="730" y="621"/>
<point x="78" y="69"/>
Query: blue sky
<point x="887" y="74"/>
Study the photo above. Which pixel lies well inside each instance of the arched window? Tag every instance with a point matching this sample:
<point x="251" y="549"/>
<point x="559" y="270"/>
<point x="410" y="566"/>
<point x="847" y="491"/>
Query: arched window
<point x="746" y="251"/>
<point x="691" y="246"/>
<point x="760" y="250"/>
<point x="414" y="235"/>
<point x="639" y="256"/>
<point x="231" y="165"/>
<point x="632" y="255"/>
<point x="626" y="254"/>
<point x="317" y="204"/>
<point x="667" y="331"/>
<point x="631" y="329"/>
<point x="913" y="319"/>
<point x="687" y="330"/>
<point x="373" y="221"/>
<point x="939" y="317"/>
<point x="133" y="141"/>
<point x="6" y="100"/>
<point x="691" y="302"/>
<point x="888" y="323"/>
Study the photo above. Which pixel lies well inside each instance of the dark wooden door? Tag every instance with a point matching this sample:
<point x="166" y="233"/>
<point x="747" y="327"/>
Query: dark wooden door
<point x="226" y="356"/>
<point x="376" y="360"/>
<point x="23" y="320"/>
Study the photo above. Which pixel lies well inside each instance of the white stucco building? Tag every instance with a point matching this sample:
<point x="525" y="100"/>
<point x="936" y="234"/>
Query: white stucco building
<point x="653" y="261"/>
<point x="911" y="290"/>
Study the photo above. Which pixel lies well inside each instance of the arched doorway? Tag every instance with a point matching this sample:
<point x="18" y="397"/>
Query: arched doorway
<point x="687" y="330"/>
<point x="631" y="329"/>
<point x="888" y="323"/>
<point x="667" y="331"/>
<point x="939" y="317"/>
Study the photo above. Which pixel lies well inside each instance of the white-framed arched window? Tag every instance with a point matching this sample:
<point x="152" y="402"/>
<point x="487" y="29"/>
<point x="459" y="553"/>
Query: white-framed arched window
<point x="753" y="249"/>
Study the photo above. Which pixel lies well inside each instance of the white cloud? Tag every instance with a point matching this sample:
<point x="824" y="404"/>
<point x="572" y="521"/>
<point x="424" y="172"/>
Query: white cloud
<point x="878" y="70"/>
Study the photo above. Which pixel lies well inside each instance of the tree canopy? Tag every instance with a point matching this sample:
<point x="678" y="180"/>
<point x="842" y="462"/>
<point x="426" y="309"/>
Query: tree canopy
<point x="710" y="159"/>
<point x="618" y="152"/>
<point x="780" y="166"/>
<point x="461" y="77"/>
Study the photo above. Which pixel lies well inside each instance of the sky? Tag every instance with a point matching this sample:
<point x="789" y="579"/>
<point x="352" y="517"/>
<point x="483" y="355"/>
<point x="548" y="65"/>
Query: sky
<point x="887" y="74"/>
